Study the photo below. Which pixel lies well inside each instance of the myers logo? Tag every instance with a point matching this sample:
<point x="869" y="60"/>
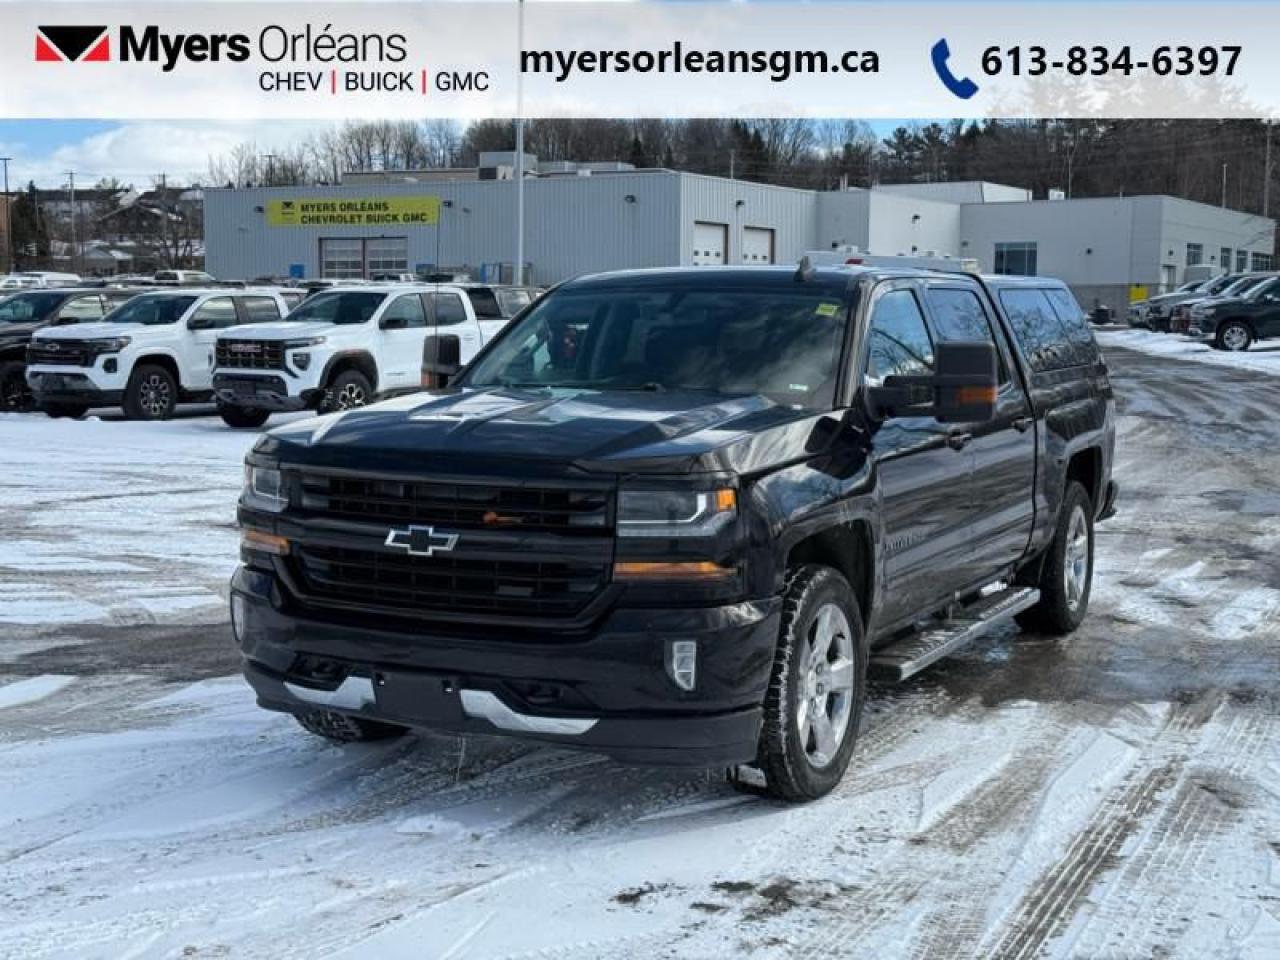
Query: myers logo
<point x="70" y="44"/>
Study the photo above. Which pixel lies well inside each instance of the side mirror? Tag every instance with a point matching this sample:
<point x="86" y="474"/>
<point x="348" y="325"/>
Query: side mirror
<point x="441" y="360"/>
<point x="393" y="323"/>
<point x="199" y="323"/>
<point x="962" y="388"/>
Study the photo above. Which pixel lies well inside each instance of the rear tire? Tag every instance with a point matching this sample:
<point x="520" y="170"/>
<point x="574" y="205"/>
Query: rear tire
<point x="152" y="393"/>
<point x="340" y="728"/>
<point x="1234" y="336"/>
<point x="242" y="417"/>
<point x="349" y="390"/>
<point x="72" y="410"/>
<point x="1066" y="577"/>
<point x="814" y="703"/>
<point x="15" y="395"/>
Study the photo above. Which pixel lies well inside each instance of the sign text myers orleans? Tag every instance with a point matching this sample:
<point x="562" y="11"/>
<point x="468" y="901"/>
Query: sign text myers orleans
<point x="354" y="212"/>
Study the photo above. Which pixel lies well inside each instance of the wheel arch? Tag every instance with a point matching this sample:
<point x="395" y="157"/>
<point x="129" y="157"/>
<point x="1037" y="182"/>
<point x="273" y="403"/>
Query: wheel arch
<point x="359" y="360"/>
<point x="165" y="360"/>
<point x="849" y="549"/>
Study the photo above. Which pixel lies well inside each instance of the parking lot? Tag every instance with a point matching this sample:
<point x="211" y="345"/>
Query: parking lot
<point x="1113" y="794"/>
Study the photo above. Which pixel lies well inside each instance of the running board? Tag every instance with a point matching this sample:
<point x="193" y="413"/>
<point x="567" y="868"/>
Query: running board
<point x="909" y="656"/>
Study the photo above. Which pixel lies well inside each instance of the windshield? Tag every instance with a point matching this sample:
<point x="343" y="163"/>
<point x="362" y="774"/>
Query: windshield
<point x="1220" y="283"/>
<point x="348" y="306"/>
<point x="1188" y="287"/>
<point x="25" y="307"/>
<point x="152" y="309"/>
<point x="1242" y="286"/>
<point x="784" y="343"/>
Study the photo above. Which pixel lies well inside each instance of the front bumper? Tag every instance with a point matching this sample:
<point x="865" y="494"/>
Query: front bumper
<point x="609" y="693"/>
<point x="70" y="387"/>
<point x="262" y="392"/>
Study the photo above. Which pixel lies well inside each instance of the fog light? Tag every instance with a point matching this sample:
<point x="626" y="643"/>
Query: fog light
<point x="110" y="366"/>
<point x="302" y="360"/>
<point x="682" y="663"/>
<point x="238" y="610"/>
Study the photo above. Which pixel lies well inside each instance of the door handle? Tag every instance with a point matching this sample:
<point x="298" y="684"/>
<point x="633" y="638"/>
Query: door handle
<point x="1023" y="424"/>
<point x="958" y="441"/>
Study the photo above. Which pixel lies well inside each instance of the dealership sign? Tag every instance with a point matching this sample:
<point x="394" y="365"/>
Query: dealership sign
<point x="423" y="211"/>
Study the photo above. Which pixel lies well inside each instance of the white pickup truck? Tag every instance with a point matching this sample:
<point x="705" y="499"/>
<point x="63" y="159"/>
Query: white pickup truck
<point x="147" y="355"/>
<point x="343" y="347"/>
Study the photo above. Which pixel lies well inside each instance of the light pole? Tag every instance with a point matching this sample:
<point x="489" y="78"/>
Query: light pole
<point x="519" y="264"/>
<point x="8" y="218"/>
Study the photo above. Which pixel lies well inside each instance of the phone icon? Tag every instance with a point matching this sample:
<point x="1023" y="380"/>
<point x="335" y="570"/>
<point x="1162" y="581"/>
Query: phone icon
<point x="962" y="87"/>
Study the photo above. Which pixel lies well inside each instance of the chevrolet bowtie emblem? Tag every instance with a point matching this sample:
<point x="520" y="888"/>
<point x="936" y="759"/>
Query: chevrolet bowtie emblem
<point x="421" y="541"/>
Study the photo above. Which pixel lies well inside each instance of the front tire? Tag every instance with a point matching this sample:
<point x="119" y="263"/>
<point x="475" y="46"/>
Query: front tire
<point x="349" y="390"/>
<point x="15" y="395"/>
<point x="814" y="703"/>
<point x="152" y="394"/>
<point x="242" y="418"/>
<point x="1066" y="578"/>
<point x="1234" y="336"/>
<point x="340" y="728"/>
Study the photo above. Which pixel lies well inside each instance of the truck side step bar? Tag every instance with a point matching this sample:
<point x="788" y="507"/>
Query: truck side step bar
<point x="907" y="657"/>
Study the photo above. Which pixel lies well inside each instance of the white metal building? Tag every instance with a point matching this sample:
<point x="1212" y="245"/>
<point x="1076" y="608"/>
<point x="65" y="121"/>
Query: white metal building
<point x="584" y="218"/>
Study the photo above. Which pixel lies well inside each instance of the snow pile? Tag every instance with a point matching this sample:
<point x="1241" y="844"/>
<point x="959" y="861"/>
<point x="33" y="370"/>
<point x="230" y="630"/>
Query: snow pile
<point x="1264" y="357"/>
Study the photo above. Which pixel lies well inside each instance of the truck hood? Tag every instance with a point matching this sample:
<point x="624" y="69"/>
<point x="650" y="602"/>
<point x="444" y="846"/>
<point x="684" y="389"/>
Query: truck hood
<point x="281" y="330"/>
<point x="470" y="430"/>
<point x="10" y="332"/>
<point x="94" y="331"/>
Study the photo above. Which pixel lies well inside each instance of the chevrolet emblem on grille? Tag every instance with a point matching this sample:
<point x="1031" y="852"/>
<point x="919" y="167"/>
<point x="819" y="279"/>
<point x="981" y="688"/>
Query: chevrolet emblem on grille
<point x="421" y="541"/>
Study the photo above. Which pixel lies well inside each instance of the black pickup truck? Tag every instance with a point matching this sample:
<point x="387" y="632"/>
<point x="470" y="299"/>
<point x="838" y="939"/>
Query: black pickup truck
<point x="679" y="516"/>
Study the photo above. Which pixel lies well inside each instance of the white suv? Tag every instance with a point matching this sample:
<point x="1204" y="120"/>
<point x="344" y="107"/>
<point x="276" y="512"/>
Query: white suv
<point x="147" y="355"/>
<point x="343" y="347"/>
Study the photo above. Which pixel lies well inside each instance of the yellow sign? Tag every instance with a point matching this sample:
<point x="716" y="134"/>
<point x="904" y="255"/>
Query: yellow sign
<point x="1137" y="291"/>
<point x="354" y="212"/>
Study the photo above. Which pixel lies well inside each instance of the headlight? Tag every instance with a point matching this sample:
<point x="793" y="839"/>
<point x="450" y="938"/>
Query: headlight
<point x="675" y="513"/>
<point x="309" y="342"/>
<point x="264" y="489"/>
<point x="111" y="345"/>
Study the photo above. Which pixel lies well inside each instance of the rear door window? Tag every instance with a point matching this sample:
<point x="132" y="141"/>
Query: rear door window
<point x="484" y="302"/>
<point x="449" y="309"/>
<point x="1074" y="322"/>
<point x="1040" y="334"/>
<point x="259" y="309"/>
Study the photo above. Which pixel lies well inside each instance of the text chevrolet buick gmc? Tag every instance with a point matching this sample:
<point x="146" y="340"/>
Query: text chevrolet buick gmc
<point x="676" y="516"/>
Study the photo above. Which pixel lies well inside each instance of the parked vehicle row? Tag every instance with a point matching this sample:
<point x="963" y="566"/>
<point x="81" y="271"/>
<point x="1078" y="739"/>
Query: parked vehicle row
<point x="1229" y="312"/>
<point x="252" y="349"/>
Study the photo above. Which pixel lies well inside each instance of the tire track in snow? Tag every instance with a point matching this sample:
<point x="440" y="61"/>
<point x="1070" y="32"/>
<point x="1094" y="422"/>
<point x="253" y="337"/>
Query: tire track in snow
<point x="1050" y="905"/>
<point x="1153" y="900"/>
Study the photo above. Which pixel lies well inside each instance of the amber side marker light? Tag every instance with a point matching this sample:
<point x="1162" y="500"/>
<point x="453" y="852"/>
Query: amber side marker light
<point x="264" y="542"/>
<point x="968" y="396"/>
<point x="694" y="570"/>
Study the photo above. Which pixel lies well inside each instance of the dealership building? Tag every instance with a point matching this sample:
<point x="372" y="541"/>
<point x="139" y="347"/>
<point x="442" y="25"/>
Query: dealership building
<point x="581" y="218"/>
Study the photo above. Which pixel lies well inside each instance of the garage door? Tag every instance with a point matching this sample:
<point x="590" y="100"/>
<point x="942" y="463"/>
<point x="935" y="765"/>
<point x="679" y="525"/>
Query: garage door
<point x="757" y="245"/>
<point x="710" y="241"/>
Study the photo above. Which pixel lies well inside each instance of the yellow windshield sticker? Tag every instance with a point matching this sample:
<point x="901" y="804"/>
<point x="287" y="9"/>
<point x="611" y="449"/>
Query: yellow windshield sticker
<point x="827" y="309"/>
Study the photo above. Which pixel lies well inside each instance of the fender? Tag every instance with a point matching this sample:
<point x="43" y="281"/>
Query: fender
<point x="363" y="356"/>
<point x="151" y="354"/>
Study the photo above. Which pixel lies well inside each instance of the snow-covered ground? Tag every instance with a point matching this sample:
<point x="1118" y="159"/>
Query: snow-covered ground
<point x="1264" y="357"/>
<point x="1115" y="794"/>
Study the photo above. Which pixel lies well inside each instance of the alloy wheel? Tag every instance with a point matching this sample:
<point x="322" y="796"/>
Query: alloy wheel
<point x="351" y="396"/>
<point x="155" y="396"/>
<point x="1075" y="569"/>
<point x="1235" y="337"/>
<point x="826" y="686"/>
